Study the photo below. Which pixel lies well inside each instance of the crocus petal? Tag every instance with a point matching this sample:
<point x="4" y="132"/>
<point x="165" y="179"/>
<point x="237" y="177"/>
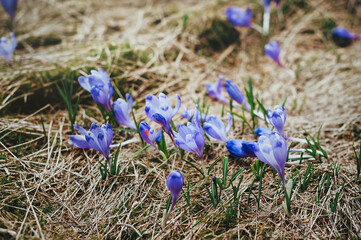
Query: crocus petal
<point x="78" y="141"/>
<point x="239" y="17"/>
<point x="272" y="50"/>
<point x="234" y="92"/>
<point x="277" y="118"/>
<point x="240" y="148"/>
<point x="214" y="90"/>
<point x="262" y="131"/>
<point x="344" y="33"/>
<point x="177" y="107"/>
<point x="7" y="47"/>
<point x="229" y="125"/>
<point x="122" y="112"/>
<point x="175" y="183"/>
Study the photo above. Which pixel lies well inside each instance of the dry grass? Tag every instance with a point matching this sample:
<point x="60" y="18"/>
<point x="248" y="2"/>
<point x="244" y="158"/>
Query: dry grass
<point x="50" y="190"/>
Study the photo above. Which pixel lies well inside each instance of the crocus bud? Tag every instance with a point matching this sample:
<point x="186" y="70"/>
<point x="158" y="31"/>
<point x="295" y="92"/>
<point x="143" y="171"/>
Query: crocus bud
<point x="122" y="110"/>
<point x="7" y="47"/>
<point x="10" y="7"/>
<point x="174" y="183"/>
<point x="239" y="17"/>
<point x="342" y="37"/>
<point x="277" y="118"/>
<point x="272" y="49"/>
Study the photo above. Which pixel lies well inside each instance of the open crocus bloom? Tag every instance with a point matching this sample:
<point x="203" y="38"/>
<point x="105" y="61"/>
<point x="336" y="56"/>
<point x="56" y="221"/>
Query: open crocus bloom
<point x="7" y="47"/>
<point x="214" y="90"/>
<point x="122" y="110"/>
<point x="236" y="94"/>
<point x="10" y="7"/>
<point x="272" y="149"/>
<point x="191" y="137"/>
<point x="160" y="111"/>
<point x="97" y="138"/>
<point x="277" y="118"/>
<point x="240" y="148"/>
<point x="215" y="129"/>
<point x="239" y="17"/>
<point x="272" y="49"/>
<point x="100" y="87"/>
<point x="174" y="183"/>
<point x="149" y="135"/>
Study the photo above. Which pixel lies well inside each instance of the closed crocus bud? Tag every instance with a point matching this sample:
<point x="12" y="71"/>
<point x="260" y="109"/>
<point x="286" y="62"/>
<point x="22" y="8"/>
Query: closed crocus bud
<point x="342" y="37"/>
<point x="241" y="149"/>
<point x="236" y="94"/>
<point x="7" y="47"/>
<point x="175" y="183"/>
<point x="122" y="110"/>
<point x="215" y="129"/>
<point x="277" y="118"/>
<point x="262" y="131"/>
<point x="267" y="5"/>
<point x="239" y="17"/>
<point x="272" y="49"/>
<point x="272" y="149"/>
<point x="10" y="7"/>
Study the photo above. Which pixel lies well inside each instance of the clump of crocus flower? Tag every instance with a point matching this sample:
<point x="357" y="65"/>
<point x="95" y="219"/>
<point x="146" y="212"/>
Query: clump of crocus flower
<point x="191" y="137"/>
<point x="272" y="149"/>
<point x="7" y="48"/>
<point x="277" y="118"/>
<point x="238" y="17"/>
<point x="215" y="129"/>
<point x="122" y="110"/>
<point x="149" y="135"/>
<point x="236" y="94"/>
<point x="100" y="87"/>
<point x="97" y="138"/>
<point x="343" y="37"/>
<point x="214" y="90"/>
<point x="240" y="148"/>
<point x="10" y="7"/>
<point x="160" y="111"/>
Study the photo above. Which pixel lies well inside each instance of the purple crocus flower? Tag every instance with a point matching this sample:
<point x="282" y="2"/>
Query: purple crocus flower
<point x="10" y="7"/>
<point x="191" y="137"/>
<point x="214" y="90"/>
<point x="344" y="33"/>
<point x="272" y="49"/>
<point x="174" y="183"/>
<point x="188" y="114"/>
<point x="239" y="17"/>
<point x="161" y="111"/>
<point x="240" y="148"/>
<point x="97" y="138"/>
<point x="277" y="118"/>
<point x="272" y="149"/>
<point x="7" y="47"/>
<point x="100" y="87"/>
<point x="149" y="135"/>
<point x="122" y="110"/>
<point x="234" y="92"/>
<point x="267" y="5"/>
<point x="215" y="129"/>
<point x="262" y="131"/>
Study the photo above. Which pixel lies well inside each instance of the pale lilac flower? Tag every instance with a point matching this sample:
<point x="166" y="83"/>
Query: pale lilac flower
<point x="214" y="90"/>
<point x="149" y="135"/>
<point x="215" y="129"/>
<point x="272" y="149"/>
<point x="10" y="7"/>
<point x="174" y="183"/>
<point x="239" y="17"/>
<point x="234" y="92"/>
<point x="191" y="137"/>
<point x="97" y="138"/>
<point x="277" y="118"/>
<point x="240" y="148"/>
<point x="7" y="47"/>
<point x="122" y="110"/>
<point x="161" y="111"/>
<point x="100" y="87"/>
<point x="272" y="49"/>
